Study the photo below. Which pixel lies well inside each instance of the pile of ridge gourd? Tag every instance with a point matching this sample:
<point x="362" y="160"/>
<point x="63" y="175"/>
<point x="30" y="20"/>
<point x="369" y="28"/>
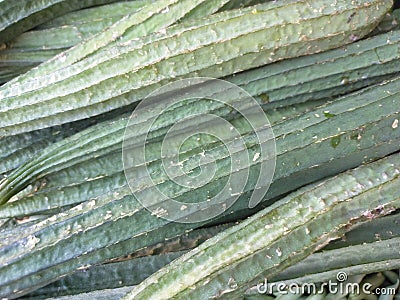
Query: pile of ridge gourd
<point x="326" y="73"/>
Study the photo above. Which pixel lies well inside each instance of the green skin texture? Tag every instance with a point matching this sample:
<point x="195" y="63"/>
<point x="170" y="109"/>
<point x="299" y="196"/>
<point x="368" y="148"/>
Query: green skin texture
<point x="149" y="19"/>
<point x="373" y="59"/>
<point x="34" y="47"/>
<point x="280" y="235"/>
<point x="282" y="83"/>
<point x="100" y="140"/>
<point x="152" y="21"/>
<point x="91" y="226"/>
<point x="98" y="13"/>
<point x="74" y="176"/>
<point x="390" y="22"/>
<point x="37" y="46"/>
<point x="234" y="40"/>
<point x="281" y="92"/>
<point x="20" y="16"/>
<point x="352" y="257"/>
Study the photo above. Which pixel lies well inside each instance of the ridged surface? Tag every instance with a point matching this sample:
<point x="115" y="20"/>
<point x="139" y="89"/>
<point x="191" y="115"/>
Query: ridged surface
<point x="130" y="27"/>
<point x="322" y="75"/>
<point x="231" y="41"/>
<point x="282" y="234"/>
<point x="19" y="16"/>
<point x="109" y="276"/>
<point x="312" y="132"/>
<point x="152" y="20"/>
<point x="93" y="176"/>
<point x="93" y="14"/>
<point x="382" y="247"/>
<point x="91" y="226"/>
<point x="357" y="259"/>
<point x="37" y="46"/>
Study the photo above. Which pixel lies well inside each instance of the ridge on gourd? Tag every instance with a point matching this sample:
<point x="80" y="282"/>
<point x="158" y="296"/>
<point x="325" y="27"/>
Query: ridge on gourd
<point x="70" y="178"/>
<point x="282" y="234"/>
<point x="105" y="277"/>
<point x="343" y="70"/>
<point x="111" y="11"/>
<point x="154" y="21"/>
<point x="152" y="18"/>
<point x="71" y="31"/>
<point x="106" y="138"/>
<point x="19" y="16"/>
<point x="91" y="226"/>
<point x="391" y="21"/>
<point x="36" y="46"/>
<point x="68" y="30"/>
<point x="251" y="80"/>
<point x="329" y="259"/>
<point x="116" y="79"/>
<point x="371" y="231"/>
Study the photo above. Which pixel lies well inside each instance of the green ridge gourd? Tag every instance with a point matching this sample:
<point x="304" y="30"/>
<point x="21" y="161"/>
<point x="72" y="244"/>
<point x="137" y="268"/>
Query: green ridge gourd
<point x="42" y="44"/>
<point x="277" y="236"/>
<point x="90" y="227"/>
<point x="318" y="76"/>
<point x="19" y="16"/>
<point x="377" y="237"/>
<point x="100" y="140"/>
<point x="236" y="39"/>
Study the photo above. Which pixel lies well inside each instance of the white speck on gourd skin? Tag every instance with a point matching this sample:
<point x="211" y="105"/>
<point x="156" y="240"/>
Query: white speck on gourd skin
<point x="32" y="241"/>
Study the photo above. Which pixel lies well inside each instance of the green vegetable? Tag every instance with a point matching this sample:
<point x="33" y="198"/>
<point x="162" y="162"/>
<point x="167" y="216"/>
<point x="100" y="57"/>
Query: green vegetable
<point x="391" y="21"/>
<point x="19" y="16"/>
<point x="278" y="236"/>
<point x="304" y="154"/>
<point x="320" y="76"/>
<point x="361" y="245"/>
<point x="97" y="148"/>
<point x="127" y="73"/>
<point x="37" y="46"/>
<point x="152" y="18"/>
<point x="108" y="276"/>
<point x="104" y="13"/>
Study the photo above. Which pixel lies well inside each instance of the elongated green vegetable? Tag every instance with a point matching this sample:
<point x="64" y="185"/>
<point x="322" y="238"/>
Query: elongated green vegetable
<point x="171" y="55"/>
<point x="284" y="233"/>
<point x="101" y="13"/>
<point x="151" y="21"/>
<point x="307" y="150"/>
<point x="64" y="32"/>
<point x="77" y="177"/>
<point x="16" y="150"/>
<point x="378" y="235"/>
<point x="109" y="276"/>
<point x="106" y="138"/>
<point x="278" y="89"/>
<point x="34" y="47"/>
<point x="349" y="255"/>
<point x="323" y="75"/>
<point x="152" y="18"/>
<point x="107" y="294"/>
<point x="371" y="231"/>
<point x="19" y="16"/>
<point x="390" y="22"/>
